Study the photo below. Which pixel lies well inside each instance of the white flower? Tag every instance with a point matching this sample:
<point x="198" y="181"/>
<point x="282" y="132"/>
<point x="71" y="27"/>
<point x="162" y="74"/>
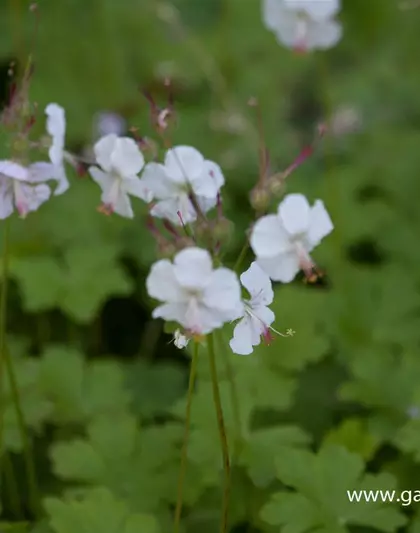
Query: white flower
<point x="185" y="171"/>
<point x="180" y="340"/>
<point x="282" y="242"/>
<point x="56" y="127"/>
<point x="257" y="317"/>
<point x="121" y="161"/>
<point x="18" y="189"/>
<point x="303" y="24"/>
<point x="197" y="297"/>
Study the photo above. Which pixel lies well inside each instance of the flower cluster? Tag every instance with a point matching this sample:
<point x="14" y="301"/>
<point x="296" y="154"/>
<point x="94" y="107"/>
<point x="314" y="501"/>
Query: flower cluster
<point x="303" y="24"/>
<point x="183" y="195"/>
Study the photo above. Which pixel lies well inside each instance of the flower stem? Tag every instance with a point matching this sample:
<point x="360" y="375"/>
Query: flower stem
<point x="241" y="256"/>
<point x="3" y="313"/>
<point x="182" y="469"/>
<point x="27" y="447"/>
<point x="234" y="399"/>
<point x="12" y="486"/>
<point x="222" y="434"/>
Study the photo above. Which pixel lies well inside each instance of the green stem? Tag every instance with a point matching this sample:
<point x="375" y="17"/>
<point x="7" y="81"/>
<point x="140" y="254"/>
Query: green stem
<point x="27" y="447"/>
<point x="222" y="434"/>
<point x="183" y="465"/>
<point x="12" y="486"/>
<point x="234" y="399"/>
<point x="241" y="256"/>
<point x="3" y="313"/>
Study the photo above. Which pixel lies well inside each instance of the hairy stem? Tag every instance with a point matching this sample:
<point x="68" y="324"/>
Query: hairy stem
<point x="234" y="399"/>
<point x="182" y="469"/>
<point x="222" y="434"/>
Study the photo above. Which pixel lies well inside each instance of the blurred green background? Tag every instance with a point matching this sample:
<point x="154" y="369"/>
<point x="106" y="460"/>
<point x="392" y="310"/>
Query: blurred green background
<point x="102" y="388"/>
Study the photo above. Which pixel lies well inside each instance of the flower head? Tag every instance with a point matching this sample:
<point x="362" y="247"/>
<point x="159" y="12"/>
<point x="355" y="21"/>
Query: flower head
<point x="256" y="319"/>
<point x="120" y="161"/>
<point x="180" y="340"/>
<point x="184" y="172"/>
<point x="197" y="297"/>
<point x="282" y="242"/>
<point x="56" y="127"/>
<point x="18" y="189"/>
<point x="303" y="24"/>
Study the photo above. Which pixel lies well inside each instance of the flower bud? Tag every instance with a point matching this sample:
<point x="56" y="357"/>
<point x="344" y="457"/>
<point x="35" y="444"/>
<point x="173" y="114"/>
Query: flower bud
<point x="222" y="229"/>
<point x="276" y="184"/>
<point x="260" y="198"/>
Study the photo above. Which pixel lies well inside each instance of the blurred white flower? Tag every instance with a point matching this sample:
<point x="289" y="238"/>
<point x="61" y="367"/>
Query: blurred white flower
<point x="121" y="161"/>
<point x="107" y="122"/>
<point x="18" y="189"/>
<point x="185" y="170"/>
<point x="257" y="317"/>
<point x="180" y="340"/>
<point x="197" y="297"/>
<point x="303" y="24"/>
<point x="43" y="171"/>
<point x="282" y="242"/>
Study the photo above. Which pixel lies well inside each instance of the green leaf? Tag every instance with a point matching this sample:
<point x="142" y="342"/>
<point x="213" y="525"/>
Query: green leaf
<point x="353" y="434"/>
<point x="79" y="390"/>
<point x="319" y="498"/>
<point x="98" y="512"/>
<point x="79" y="287"/>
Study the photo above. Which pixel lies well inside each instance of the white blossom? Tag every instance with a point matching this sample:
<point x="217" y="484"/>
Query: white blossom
<point x="56" y="127"/>
<point x="303" y="24"/>
<point x="18" y="189"/>
<point x="256" y="319"/>
<point x="184" y="171"/>
<point x="120" y="160"/>
<point x="180" y="340"/>
<point x="195" y="295"/>
<point x="282" y="242"/>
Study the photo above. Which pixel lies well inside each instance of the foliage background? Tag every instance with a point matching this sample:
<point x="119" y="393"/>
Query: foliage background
<point x="333" y="409"/>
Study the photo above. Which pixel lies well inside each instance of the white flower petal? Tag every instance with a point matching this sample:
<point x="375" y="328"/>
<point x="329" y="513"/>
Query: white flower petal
<point x="316" y="9"/>
<point x="104" y="180"/>
<point x="103" y="150"/>
<point x="243" y="337"/>
<point x="294" y="212"/>
<point x="202" y="319"/>
<point x="258" y="284"/>
<point x="63" y="182"/>
<point x="320" y="224"/>
<point x="41" y="171"/>
<point x="268" y="237"/>
<point x="224" y="292"/>
<point x="36" y="195"/>
<point x="215" y="172"/>
<point x="156" y="180"/>
<point x="206" y="203"/>
<point x="264" y="316"/>
<point x="14" y="170"/>
<point x="121" y="205"/>
<point x="283" y="267"/>
<point x="184" y="164"/>
<point x="172" y="312"/>
<point x="56" y="121"/>
<point x="161" y="283"/>
<point x="272" y="11"/>
<point x="126" y="157"/>
<point x="193" y="268"/>
<point x="323" y="35"/>
<point x="6" y="199"/>
<point x="180" y="340"/>
<point x="170" y="208"/>
<point x="136" y="187"/>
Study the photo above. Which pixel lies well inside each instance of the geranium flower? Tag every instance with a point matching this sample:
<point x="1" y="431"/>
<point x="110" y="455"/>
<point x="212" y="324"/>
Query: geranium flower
<point x="120" y="160"/>
<point x="18" y="189"/>
<point x="303" y="24"/>
<point x="197" y="297"/>
<point x="257" y="318"/>
<point x="185" y="171"/>
<point x="282" y="242"/>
